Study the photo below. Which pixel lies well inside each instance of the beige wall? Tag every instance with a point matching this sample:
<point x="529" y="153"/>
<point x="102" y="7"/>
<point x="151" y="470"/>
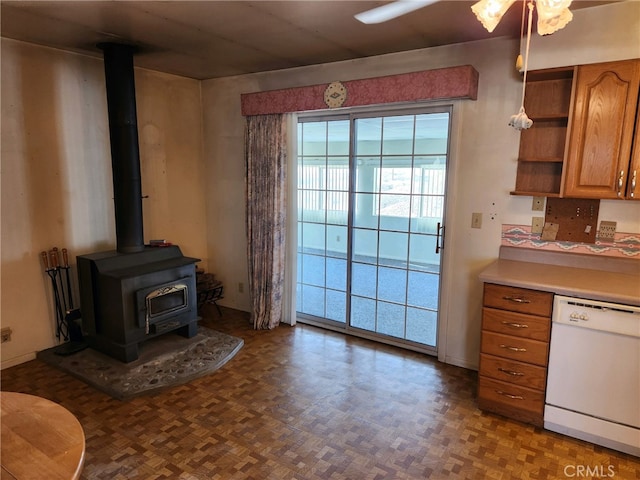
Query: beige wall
<point x="56" y="175"/>
<point x="599" y="34"/>
<point x="483" y="159"/>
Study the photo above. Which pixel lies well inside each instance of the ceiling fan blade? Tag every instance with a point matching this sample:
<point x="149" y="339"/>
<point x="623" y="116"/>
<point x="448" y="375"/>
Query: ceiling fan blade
<point x="392" y="10"/>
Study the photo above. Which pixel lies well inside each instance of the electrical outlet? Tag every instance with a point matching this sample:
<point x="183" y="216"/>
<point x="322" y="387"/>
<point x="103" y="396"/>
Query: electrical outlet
<point x="240" y="287"/>
<point x="607" y="230"/>
<point x="476" y="220"/>
<point x="537" y="224"/>
<point x="537" y="204"/>
<point x="5" y="335"/>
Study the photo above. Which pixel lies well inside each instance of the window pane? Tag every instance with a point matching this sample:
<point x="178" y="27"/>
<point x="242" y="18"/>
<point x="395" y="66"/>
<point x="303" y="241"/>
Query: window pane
<point x="421" y="326"/>
<point x="365" y="245"/>
<point x="392" y="284"/>
<point x="422" y="253"/>
<point x="432" y="131"/>
<point x="394" y="212"/>
<point x="429" y="179"/>
<point x="397" y="134"/>
<point x="426" y="212"/>
<point x="363" y="313"/>
<point x="313" y="235"/>
<point x="368" y="133"/>
<point x="338" y="202"/>
<point x="423" y="290"/>
<point x="368" y="174"/>
<point x="314" y="139"/>
<point x="363" y="280"/>
<point x="312" y="300"/>
<point x="338" y="137"/>
<point x="336" y="305"/>
<point x="336" y="273"/>
<point x="312" y="206"/>
<point x="393" y="248"/>
<point x="338" y="174"/>
<point x="337" y="241"/>
<point x="395" y="175"/>
<point x="364" y="210"/>
<point x="390" y="319"/>
<point x="313" y="270"/>
<point x="312" y="172"/>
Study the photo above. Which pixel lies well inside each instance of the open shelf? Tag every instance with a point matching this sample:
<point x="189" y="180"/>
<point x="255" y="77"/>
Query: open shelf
<point x="545" y="139"/>
<point x="539" y="178"/>
<point x="542" y="147"/>
<point x="534" y="194"/>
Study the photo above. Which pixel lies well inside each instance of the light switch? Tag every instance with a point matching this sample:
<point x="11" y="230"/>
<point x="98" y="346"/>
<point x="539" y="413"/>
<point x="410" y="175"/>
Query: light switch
<point x="476" y="220"/>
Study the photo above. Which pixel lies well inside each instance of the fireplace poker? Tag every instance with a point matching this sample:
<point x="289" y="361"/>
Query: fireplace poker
<point x="54" y="253"/>
<point x="66" y="267"/>
<point x="52" y="272"/>
<point x="54" y="260"/>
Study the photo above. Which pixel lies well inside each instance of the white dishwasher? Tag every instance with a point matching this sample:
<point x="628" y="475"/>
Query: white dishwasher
<point x="593" y="382"/>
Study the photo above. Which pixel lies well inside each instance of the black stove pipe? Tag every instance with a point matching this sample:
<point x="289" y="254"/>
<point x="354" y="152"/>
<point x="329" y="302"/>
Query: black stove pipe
<point x="125" y="154"/>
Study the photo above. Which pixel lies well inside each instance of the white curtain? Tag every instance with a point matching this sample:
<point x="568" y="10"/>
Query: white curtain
<point x="291" y="254"/>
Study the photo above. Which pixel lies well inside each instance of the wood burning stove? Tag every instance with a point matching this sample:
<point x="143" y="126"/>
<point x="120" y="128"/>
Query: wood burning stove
<point x="137" y="291"/>
<point x="130" y="298"/>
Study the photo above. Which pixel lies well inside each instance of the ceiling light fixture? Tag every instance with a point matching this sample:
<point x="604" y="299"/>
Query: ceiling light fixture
<point x="520" y="121"/>
<point x="552" y="14"/>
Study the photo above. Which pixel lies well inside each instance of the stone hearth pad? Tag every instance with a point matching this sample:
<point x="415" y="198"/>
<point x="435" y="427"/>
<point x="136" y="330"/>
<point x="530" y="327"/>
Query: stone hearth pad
<point x="163" y="361"/>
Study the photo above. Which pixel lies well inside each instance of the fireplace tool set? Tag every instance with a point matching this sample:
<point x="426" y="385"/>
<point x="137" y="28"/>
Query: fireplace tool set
<point x="67" y="316"/>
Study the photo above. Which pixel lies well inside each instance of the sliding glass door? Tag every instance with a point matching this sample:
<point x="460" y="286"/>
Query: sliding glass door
<point x="371" y="197"/>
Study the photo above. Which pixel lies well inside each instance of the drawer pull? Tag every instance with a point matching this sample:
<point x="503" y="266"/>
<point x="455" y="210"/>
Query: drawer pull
<point x="513" y="349"/>
<point x="515" y="325"/>
<point x="510" y="372"/>
<point x="516" y="299"/>
<point x="509" y="395"/>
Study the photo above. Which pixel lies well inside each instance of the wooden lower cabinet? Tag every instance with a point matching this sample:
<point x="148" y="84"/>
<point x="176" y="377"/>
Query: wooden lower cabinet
<point x="518" y="373"/>
<point x="516" y="328"/>
<point x="504" y="398"/>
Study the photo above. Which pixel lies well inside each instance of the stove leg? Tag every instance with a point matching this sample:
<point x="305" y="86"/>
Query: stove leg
<point x="189" y="330"/>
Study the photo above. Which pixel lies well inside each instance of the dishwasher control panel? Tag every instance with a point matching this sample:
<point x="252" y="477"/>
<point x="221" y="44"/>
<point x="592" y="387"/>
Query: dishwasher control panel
<point x="596" y="315"/>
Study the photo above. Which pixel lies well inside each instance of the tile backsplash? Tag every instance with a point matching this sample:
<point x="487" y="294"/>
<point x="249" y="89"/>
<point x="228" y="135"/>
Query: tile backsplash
<point x="625" y="245"/>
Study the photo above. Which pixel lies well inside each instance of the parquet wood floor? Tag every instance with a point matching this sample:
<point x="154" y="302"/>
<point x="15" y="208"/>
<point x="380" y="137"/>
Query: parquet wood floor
<point x="303" y="403"/>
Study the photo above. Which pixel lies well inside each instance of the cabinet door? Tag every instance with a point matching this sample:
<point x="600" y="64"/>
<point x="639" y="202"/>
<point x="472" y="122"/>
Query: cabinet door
<point x="633" y="189"/>
<point x="602" y="129"/>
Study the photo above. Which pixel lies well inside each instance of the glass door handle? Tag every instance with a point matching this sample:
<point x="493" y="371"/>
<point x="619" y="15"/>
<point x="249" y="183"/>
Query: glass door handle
<point x="438" y="237"/>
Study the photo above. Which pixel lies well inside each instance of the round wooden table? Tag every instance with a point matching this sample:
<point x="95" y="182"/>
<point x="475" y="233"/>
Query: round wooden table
<point x="40" y="439"/>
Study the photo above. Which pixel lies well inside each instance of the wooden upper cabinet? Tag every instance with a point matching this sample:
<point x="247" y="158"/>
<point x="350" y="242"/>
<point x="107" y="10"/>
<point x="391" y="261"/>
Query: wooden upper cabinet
<point x="601" y="136"/>
<point x="633" y="189"/>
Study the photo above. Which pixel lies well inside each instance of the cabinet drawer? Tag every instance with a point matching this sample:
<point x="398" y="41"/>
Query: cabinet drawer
<point x="517" y="324"/>
<point x="515" y="348"/>
<point x="512" y="397"/>
<point x="518" y="299"/>
<point x="510" y="371"/>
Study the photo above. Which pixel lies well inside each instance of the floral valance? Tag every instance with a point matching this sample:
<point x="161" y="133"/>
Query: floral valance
<point x="445" y="83"/>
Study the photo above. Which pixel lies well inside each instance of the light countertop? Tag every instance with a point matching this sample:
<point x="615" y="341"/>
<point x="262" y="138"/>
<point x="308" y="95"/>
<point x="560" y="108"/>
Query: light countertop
<point x="622" y="286"/>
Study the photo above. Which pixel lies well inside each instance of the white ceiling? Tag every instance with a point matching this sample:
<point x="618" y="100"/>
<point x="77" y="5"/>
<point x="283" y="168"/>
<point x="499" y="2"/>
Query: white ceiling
<point x="210" y="39"/>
